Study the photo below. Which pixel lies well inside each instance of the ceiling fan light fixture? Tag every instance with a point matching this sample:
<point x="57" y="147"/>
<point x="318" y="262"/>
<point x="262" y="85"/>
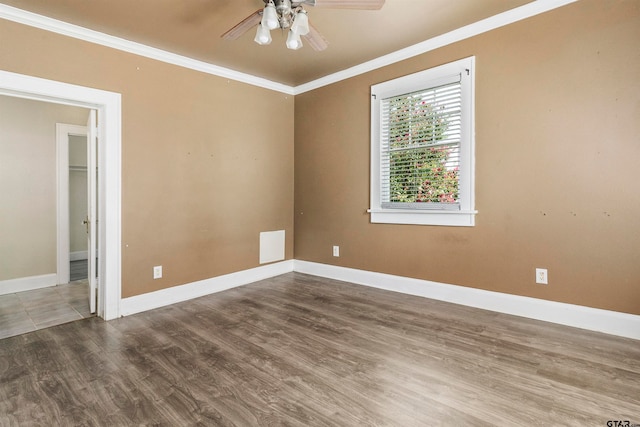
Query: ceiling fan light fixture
<point x="270" y="17"/>
<point x="290" y="16"/>
<point x="263" y="36"/>
<point x="301" y="23"/>
<point x="293" y="40"/>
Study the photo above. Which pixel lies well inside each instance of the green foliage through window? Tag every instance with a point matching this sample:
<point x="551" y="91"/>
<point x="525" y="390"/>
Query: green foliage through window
<point x="423" y="146"/>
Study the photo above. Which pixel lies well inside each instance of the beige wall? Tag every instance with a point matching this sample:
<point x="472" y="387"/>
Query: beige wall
<point x="206" y="167"/>
<point x="77" y="193"/>
<point x="28" y="184"/>
<point x="557" y="154"/>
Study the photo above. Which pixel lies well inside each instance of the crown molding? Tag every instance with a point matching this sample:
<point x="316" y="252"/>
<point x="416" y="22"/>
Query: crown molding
<point x="528" y="10"/>
<point x="60" y="27"/>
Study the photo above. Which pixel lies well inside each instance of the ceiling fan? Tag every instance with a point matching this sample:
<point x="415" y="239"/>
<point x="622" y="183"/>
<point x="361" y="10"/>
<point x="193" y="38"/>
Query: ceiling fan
<point x="290" y="15"/>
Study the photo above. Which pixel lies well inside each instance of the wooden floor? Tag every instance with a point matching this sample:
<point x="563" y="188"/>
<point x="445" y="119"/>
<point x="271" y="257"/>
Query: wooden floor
<point x="78" y="270"/>
<point x="297" y="350"/>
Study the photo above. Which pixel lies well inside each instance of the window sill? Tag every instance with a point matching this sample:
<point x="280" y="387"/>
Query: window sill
<point x="424" y="217"/>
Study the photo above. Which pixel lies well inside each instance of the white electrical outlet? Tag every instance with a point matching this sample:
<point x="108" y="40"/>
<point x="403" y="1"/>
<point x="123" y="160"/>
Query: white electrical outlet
<point x="336" y="251"/>
<point x="157" y="272"/>
<point x="541" y="276"/>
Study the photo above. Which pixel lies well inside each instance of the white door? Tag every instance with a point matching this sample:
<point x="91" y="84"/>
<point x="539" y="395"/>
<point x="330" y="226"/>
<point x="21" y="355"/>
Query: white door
<point x="92" y="218"/>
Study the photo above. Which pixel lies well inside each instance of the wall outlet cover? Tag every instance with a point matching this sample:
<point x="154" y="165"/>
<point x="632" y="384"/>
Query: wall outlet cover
<point x="542" y="276"/>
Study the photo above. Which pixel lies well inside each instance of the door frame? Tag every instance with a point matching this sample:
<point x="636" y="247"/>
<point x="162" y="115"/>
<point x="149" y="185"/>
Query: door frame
<point x="63" y="132"/>
<point x="109" y="108"/>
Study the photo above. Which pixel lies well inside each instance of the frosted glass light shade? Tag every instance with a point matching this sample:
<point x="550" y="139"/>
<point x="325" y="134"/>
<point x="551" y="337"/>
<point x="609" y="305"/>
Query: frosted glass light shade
<point x="270" y="17"/>
<point x="301" y="24"/>
<point x="263" y="36"/>
<point x="293" y="40"/>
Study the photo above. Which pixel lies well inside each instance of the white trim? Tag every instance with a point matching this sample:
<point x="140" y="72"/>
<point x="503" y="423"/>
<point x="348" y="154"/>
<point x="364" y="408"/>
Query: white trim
<point x="108" y="105"/>
<point x="594" y="319"/>
<point x="500" y="20"/>
<point x="176" y="294"/>
<point x="30" y="283"/>
<point x="423" y="217"/>
<point x="462" y="71"/>
<point x="59" y="27"/>
<point x="78" y="256"/>
<point x="63" y="131"/>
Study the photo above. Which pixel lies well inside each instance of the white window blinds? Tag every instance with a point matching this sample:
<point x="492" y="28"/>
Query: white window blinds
<point x="420" y="136"/>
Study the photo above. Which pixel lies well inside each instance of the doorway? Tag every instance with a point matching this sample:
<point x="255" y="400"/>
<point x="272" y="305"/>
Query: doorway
<point x="108" y="108"/>
<point x="77" y="213"/>
<point x="28" y="181"/>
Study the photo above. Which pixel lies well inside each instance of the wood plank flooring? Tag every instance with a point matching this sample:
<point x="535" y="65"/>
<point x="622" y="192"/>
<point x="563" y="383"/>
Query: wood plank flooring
<point x="78" y="270"/>
<point x="297" y="350"/>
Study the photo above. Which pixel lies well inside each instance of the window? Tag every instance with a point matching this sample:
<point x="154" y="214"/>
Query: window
<point x="422" y="147"/>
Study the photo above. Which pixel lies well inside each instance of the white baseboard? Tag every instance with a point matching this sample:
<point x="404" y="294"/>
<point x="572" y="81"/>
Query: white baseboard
<point x="175" y="294"/>
<point x="30" y="283"/>
<point x="78" y="256"/>
<point x="610" y="322"/>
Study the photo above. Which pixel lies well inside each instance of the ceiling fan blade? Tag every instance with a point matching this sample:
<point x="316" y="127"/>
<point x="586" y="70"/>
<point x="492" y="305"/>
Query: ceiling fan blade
<point x="347" y="4"/>
<point x="315" y="39"/>
<point x="243" y="26"/>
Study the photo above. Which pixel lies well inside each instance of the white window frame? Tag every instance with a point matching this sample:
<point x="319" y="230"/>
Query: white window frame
<point x="412" y="83"/>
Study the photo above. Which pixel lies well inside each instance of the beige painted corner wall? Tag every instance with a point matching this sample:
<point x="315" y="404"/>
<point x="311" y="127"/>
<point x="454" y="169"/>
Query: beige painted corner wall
<point x="28" y="184"/>
<point x="557" y="154"/>
<point x="204" y="168"/>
